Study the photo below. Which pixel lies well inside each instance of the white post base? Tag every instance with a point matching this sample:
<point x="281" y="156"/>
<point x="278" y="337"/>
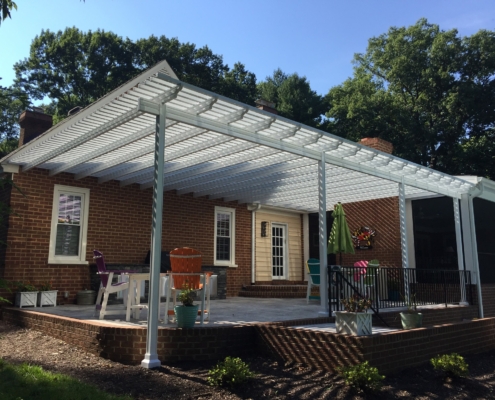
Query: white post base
<point x="148" y="363"/>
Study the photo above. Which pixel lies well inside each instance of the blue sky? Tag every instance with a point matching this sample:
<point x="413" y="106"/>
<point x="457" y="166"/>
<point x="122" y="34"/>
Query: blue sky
<point x="315" y="38"/>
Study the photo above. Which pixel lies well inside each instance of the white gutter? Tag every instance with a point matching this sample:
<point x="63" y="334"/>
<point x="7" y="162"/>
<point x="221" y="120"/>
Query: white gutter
<point x="253" y="208"/>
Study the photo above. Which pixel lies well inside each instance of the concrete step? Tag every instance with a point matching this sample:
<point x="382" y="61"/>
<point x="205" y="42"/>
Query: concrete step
<point x="274" y="291"/>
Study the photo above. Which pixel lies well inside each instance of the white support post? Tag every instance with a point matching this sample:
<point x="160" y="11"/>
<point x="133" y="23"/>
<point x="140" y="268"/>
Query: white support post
<point x="460" y="252"/>
<point x="403" y="239"/>
<point x="151" y="357"/>
<point x="306" y="242"/>
<point x="474" y="246"/>
<point x="323" y="237"/>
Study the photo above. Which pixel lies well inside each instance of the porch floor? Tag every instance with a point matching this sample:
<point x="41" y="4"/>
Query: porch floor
<point x="228" y="312"/>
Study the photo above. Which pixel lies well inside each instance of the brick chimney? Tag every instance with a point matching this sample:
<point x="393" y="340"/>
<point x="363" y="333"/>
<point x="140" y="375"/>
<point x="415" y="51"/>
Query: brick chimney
<point x="378" y="144"/>
<point x="267" y="106"/>
<point x="33" y="123"/>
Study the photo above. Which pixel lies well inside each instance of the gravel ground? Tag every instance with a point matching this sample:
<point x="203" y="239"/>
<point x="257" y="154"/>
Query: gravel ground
<point x="274" y="380"/>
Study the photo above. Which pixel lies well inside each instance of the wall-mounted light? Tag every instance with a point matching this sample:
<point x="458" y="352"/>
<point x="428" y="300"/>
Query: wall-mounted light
<point x="263" y="228"/>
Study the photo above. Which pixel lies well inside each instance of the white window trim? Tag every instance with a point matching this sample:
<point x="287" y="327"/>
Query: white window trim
<point x="231" y="263"/>
<point x="81" y="259"/>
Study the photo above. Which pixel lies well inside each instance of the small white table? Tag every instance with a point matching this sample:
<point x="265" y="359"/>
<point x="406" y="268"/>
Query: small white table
<point x="205" y="298"/>
<point x="134" y="293"/>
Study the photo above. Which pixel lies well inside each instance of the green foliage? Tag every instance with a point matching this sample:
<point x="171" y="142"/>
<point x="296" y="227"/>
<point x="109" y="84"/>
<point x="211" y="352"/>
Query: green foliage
<point x="186" y="296"/>
<point x="24" y="287"/>
<point x="356" y="304"/>
<point x="13" y="101"/>
<point x="411" y="303"/>
<point x="362" y="377"/>
<point x="231" y="372"/>
<point x="430" y="92"/>
<point x="453" y="364"/>
<point x="32" y="382"/>
<point x="4" y="285"/>
<point x="293" y="98"/>
<point x="5" y="7"/>
<point x="74" y="68"/>
<point x="46" y="286"/>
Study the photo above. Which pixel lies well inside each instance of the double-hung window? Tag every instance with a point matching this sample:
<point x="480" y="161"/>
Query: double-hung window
<point x="69" y="225"/>
<point x="225" y="236"/>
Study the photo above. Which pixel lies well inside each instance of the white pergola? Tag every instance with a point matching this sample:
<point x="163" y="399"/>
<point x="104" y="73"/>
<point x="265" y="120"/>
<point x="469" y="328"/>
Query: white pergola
<point x="156" y="131"/>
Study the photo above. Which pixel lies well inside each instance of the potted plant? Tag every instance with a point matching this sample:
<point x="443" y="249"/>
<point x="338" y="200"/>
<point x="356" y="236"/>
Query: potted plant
<point x="47" y="296"/>
<point x="4" y="285"/>
<point x="26" y="294"/>
<point x="354" y="320"/>
<point x="411" y="318"/>
<point x="186" y="313"/>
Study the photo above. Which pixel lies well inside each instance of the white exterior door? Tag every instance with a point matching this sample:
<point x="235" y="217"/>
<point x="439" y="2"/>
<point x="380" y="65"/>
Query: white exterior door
<point x="279" y="251"/>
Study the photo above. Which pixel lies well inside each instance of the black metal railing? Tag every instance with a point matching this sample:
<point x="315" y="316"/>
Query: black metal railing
<point x="398" y="287"/>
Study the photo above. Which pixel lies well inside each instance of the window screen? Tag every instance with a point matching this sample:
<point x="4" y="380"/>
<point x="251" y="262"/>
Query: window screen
<point x="68" y="225"/>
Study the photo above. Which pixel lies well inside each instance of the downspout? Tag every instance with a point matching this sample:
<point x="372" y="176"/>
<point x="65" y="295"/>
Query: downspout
<point x="253" y="208"/>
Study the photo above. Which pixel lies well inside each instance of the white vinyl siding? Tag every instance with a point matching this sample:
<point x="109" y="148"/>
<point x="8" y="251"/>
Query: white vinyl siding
<point x="264" y="245"/>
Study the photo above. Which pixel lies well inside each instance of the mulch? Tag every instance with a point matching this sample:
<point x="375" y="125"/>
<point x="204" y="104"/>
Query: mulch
<point x="274" y="380"/>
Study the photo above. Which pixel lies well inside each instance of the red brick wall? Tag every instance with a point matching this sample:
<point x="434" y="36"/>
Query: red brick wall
<point x="378" y="144"/>
<point x="387" y="351"/>
<point x="322" y="350"/>
<point x="381" y="215"/>
<point x="128" y="344"/>
<point x="4" y="226"/>
<point x="119" y="225"/>
<point x="488" y="292"/>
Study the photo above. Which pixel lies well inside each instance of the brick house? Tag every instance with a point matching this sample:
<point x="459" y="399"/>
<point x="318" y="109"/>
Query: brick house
<point x="234" y="177"/>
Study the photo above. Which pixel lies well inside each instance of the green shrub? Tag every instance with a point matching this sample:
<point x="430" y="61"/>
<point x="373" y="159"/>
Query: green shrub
<point x="231" y="372"/>
<point x="362" y="376"/>
<point x="453" y="364"/>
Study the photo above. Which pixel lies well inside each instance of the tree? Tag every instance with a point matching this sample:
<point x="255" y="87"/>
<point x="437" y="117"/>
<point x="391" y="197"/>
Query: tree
<point x="293" y="98"/>
<point x="239" y="84"/>
<point x="6" y="6"/>
<point x="73" y="68"/>
<point x="12" y="103"/>
<point x="428" y="91"/>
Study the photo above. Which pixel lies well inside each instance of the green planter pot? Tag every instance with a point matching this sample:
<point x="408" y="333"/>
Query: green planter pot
<point x="411" y="320"/>
<point x="186" y="316"/>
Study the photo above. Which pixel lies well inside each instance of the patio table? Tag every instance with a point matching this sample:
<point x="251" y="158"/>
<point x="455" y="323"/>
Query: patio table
<point x="134" y="293"/>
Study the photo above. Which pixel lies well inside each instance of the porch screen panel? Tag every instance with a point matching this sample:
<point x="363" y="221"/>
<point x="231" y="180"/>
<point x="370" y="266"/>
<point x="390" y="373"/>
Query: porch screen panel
<point x="223" y="236"/>
<point x="277" y="251"/>
<point x="68" y="225"/>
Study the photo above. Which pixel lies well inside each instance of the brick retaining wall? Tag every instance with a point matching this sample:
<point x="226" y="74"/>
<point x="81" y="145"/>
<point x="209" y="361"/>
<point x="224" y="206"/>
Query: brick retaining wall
<point x="321" y="350"/>
<point x="128" y="344"/>
<point x="387" y="351"/>
<point x="434" y="316"/>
